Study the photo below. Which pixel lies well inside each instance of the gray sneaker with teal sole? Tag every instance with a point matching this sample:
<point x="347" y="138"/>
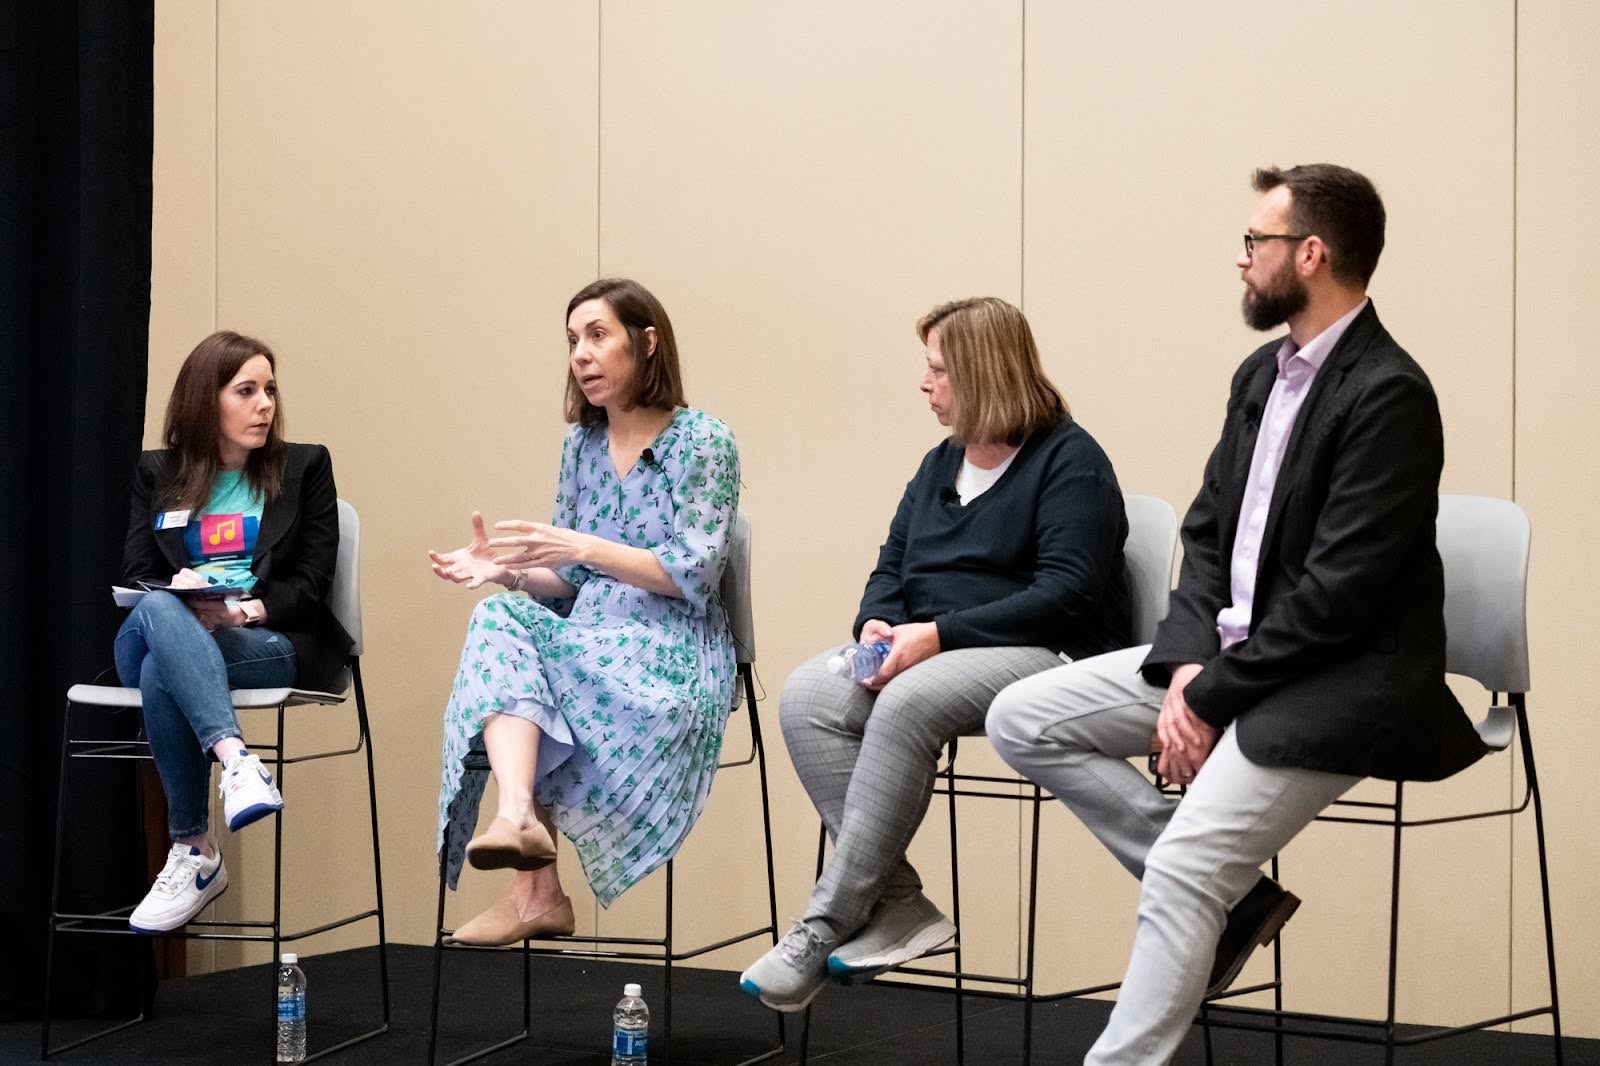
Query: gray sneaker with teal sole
<point x="788" y="977"/>
<point x="898" y="931"/>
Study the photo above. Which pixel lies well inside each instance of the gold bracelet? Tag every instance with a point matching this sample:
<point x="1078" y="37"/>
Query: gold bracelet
<point x="516" y="582"/>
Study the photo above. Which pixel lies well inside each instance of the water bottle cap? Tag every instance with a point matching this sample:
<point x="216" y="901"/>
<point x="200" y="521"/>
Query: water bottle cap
<point x="290" y="958"/>
<point x="836" y="665"/>
<point x="632" y="990"/>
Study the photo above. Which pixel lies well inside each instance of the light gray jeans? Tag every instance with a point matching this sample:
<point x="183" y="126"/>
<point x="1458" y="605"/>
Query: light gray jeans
<point x="868" y="760"/>
<point x="1072" y="730"/>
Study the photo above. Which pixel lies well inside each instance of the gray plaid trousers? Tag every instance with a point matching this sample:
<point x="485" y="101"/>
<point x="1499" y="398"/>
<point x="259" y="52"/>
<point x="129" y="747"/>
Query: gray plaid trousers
<point x="868" y="762"/>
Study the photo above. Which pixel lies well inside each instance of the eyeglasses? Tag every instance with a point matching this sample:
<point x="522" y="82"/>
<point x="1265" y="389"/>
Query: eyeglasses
<point x="1250" y="240"/>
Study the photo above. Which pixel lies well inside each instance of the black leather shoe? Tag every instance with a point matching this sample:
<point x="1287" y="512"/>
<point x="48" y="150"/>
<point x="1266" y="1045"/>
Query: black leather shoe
<point x="1252" y="924"/>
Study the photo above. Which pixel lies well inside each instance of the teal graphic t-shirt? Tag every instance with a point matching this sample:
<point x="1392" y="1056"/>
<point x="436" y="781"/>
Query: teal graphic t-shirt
<point x="221" y="538"/>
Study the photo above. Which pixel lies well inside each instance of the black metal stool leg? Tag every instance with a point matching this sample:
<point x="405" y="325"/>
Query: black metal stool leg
<point x="955" y="903"/>
<point x="438" y="954"/>
<point x="277" y="888"/>
<point x="439" y="949"/>
<point x="747" y="674"/>
<point x="1532" y="775"/>
<point x="527" y="989"/>
<point x="1277" y="982"/>
<point x="1394" y="929"/>
<point x="377" y="861"/>
<point x="1033" y="929"/>
<point x="145" y="962"/>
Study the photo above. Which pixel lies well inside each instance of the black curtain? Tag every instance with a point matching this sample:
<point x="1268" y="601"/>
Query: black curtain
<point x="75" y="154"/>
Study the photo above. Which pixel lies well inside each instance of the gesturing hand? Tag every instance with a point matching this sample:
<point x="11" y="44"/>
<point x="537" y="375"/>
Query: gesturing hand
<point x="537" y="544"/>
<point x="473" y="564"/>
<point x="1186" y="738"/>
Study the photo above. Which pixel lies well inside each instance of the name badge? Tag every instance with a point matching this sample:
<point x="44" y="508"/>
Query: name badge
<point x="172" y="519"/>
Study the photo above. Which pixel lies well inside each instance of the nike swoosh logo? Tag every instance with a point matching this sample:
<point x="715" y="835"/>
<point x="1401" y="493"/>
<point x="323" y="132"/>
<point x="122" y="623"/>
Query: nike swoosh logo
<point x="205" y="882"/>
<point x="265" y="776"/>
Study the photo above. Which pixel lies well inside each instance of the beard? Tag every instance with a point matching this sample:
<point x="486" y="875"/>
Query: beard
<point x="1284" y="297"/>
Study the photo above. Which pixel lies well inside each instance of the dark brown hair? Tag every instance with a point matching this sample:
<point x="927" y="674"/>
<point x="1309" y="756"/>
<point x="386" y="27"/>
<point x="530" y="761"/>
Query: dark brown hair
<point x="1339" y="206"/>
<point x="1000" y="390"/>
<point x="657" y="380"/>
<point x="194" y="421"/>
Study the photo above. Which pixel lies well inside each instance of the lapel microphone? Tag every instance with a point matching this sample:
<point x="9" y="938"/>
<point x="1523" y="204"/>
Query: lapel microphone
<point x="648" y="456"/>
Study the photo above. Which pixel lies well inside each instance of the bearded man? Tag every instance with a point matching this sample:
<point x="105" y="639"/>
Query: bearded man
<point x="1304" y="647"/>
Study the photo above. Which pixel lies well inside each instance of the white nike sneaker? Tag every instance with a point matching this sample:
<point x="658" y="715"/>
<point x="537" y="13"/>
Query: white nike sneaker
<point x="186" y="884"/>
<point x="247" y="792"/>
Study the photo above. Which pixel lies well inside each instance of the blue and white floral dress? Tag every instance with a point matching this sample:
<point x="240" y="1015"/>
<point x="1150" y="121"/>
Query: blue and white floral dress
<point x="630" y="688"/>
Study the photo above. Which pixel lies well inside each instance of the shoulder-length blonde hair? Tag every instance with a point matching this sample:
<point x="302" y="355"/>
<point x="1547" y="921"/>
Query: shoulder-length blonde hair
<point x="1001" y="394"/>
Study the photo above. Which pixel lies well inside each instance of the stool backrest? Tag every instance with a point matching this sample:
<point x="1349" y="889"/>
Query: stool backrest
<point x="1484" y="543"/>
<point x="344" y="598"/>
<point x="1152" y="541"/>
<point x="735" y="589"/>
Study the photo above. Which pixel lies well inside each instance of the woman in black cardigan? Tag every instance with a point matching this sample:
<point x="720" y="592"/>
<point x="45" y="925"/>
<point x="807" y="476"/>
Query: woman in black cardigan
<point x="229" y="504"/>
<point x="1004" y="557"/>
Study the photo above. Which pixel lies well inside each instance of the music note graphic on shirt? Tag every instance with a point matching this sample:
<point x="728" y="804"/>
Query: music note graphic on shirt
<point x="222" y="534"/>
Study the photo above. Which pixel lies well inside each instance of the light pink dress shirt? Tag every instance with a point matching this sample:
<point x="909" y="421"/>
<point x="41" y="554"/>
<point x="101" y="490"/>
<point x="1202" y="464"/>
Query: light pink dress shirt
<point x="1297" y="369"/>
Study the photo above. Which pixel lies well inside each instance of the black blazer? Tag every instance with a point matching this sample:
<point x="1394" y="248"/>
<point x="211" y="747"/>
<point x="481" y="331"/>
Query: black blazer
<point x="1343" y="670"/>
<point x="296" y="549"/>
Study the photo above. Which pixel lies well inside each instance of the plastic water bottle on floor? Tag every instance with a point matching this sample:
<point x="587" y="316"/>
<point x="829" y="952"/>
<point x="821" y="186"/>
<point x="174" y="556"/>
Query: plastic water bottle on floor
<point x="630" y="1034"/>
<point x="859" y="662"/>
<point x="292" y="1010"/>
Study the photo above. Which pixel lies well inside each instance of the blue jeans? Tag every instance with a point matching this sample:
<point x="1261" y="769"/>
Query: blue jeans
<point x="183" y="674"/>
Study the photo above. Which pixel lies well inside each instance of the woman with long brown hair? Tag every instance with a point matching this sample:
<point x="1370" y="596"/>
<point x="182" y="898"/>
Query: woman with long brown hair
<point x="600" y="696"/>
<point x="229" y="505"/>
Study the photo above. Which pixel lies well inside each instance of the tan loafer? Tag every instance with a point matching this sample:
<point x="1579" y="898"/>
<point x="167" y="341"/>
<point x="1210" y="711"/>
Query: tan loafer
<point x="501" y="925"/>
<point x="505" y="846"/>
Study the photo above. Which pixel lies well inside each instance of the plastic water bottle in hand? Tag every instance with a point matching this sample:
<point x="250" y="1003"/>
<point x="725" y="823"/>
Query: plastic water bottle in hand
<point x="291" y="1010"/>
<point x="630" y="1033"/>
<point x="859" y="662"/>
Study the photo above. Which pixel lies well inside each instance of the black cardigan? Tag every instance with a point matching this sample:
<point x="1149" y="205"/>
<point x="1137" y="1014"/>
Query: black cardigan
<point x="1034" y="561"/>
<point x="296" y="549"/>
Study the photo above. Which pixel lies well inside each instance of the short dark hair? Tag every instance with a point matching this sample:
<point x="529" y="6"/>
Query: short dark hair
<point x="1338" y="205"/>
<point x="657" y="381"/>
<point x="194" y="417"/>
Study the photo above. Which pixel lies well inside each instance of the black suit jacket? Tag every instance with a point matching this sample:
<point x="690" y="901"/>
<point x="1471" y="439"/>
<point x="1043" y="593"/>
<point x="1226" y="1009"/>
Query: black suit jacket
<point x="297" y="546"/>
<point x="1343" y="668"/>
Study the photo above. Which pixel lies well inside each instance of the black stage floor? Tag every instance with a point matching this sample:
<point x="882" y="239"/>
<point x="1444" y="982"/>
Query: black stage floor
<point x="226" y="1017"/>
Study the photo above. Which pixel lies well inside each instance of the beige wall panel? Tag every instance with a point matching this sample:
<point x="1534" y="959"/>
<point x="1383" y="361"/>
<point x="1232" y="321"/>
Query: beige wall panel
<point x="1143" y="123"/>
<point x="1558" y="434"/>
<point x="799" y="186"/>
<point x="183" y="176"/>
<point x="407" y="198"/>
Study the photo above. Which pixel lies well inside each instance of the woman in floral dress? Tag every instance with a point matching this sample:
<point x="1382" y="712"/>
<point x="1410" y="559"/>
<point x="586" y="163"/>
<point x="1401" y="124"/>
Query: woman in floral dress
<point x="601" y="695"/>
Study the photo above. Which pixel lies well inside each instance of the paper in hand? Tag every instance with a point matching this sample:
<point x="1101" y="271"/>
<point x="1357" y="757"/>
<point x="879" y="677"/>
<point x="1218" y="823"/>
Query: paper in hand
<point x="126" y="597"/>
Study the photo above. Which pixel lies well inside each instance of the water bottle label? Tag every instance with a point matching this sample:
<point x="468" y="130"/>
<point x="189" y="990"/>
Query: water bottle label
<point x="291" y="1008"/>
<point x="629" y="1042"/>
